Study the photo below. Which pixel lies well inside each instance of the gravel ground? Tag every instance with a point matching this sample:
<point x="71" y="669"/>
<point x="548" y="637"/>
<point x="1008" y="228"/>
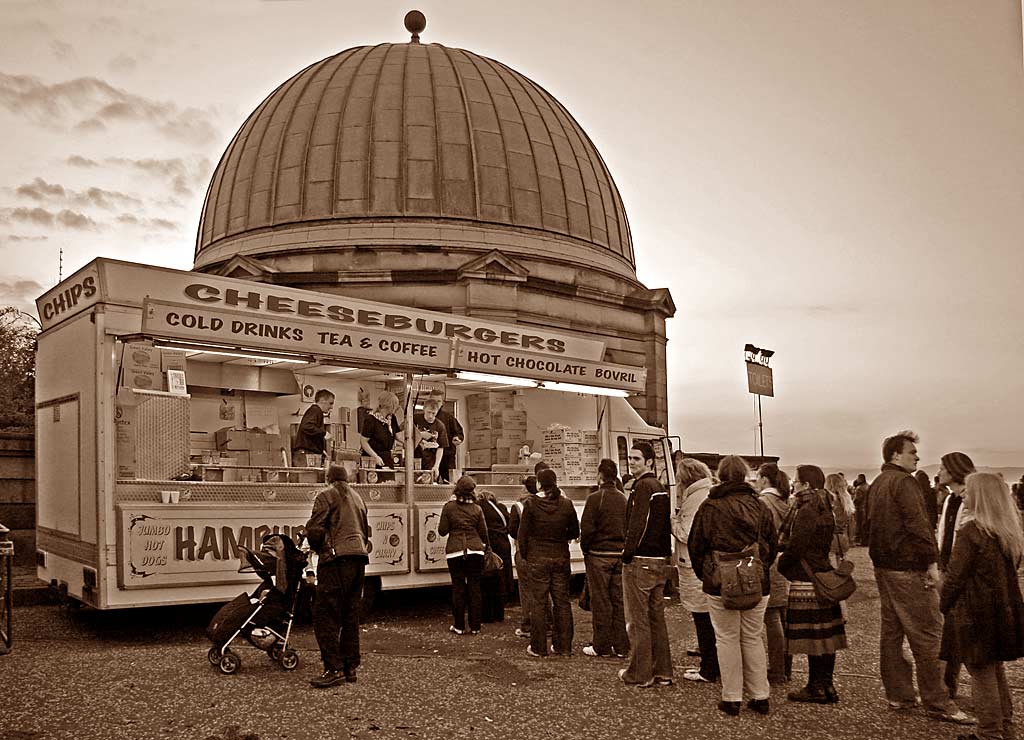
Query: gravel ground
<point x="144" y="674"/>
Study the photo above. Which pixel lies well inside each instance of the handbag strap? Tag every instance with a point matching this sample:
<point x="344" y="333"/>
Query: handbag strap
<point x="498" y="512"/>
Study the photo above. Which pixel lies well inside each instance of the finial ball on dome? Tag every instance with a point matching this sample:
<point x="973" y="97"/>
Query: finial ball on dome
<point x="415" y="22"/>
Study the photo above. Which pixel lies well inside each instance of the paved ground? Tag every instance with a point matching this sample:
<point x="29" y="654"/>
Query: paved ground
<point x="144" y="674"/>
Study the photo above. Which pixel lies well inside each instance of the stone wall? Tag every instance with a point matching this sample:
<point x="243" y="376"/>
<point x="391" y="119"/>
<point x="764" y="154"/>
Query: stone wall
<point x="18" y="493"/>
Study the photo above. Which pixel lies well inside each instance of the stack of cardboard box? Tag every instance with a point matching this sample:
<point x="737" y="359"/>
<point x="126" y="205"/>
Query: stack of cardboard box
<point x="496" y="428"/>
<point x="144" y="366"/>
<point x="572" y="453"/>
<point x="241" y="448"/>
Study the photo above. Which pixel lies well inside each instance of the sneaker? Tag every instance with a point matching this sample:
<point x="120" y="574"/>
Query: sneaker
<point x="522" y="633"/>
<point x="693" y="674"/>
<point x="905" y="704"/>
<point x="758" y="705"/>
<point x="474" y="632"/>
<point x="456" y="631"/>
<point x="327" y="679"/>
<point x="350" y="675"/>
<point x="592" y="652"/>
<point x="663" y="681"/>
<point x="530" y="651"/>
<point x="622" y="677"/>
<point x="957" y="717"/>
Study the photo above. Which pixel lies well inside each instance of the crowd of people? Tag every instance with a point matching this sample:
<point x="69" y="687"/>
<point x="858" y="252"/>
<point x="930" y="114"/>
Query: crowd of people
<point x="749" y="549"/>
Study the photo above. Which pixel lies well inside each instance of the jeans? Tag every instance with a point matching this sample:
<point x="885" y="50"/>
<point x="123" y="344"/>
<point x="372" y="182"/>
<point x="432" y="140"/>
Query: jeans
<point x="549" y="575"/>
<point x="465" y="573"/>
<point x="992" y="703"/>
<point x="741" y="655"/>
<point x="643" y="588"/>
<point x="604" y="580"/>
<point x="775" y="638"/>
<point x="523" y="572"/>
<point x="336" y="612"/>
<point x="910" y="608"/>
<point x="706" y="645"/>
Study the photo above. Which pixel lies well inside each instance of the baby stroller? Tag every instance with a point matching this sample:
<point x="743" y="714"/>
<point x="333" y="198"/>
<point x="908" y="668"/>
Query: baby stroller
<point x="265" y="616"/>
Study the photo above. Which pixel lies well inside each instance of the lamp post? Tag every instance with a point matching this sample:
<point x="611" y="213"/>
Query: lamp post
<point x="759" y="380"/>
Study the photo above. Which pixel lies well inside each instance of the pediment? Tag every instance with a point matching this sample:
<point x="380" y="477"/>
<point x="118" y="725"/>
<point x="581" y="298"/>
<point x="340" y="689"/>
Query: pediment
<point x="494" y="266"/>
<point x="245" y="268"/>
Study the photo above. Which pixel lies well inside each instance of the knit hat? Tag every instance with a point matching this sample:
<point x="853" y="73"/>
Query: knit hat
<point x="958" y="465"/>
<point x="547" y="478"/>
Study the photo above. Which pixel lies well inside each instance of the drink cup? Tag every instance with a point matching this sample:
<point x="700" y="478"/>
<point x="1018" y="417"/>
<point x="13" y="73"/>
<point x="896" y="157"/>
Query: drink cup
<point x="165" y="496"/>
<point x="175" y="496"/>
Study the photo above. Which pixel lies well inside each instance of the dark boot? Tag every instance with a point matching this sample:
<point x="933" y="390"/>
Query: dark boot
<point x="731" y="708"/>
<point x="813" y="692"/>
<point x="828" y="669"/>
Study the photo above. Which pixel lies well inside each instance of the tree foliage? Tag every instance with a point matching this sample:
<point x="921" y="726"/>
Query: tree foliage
<point x="17" y="370"/>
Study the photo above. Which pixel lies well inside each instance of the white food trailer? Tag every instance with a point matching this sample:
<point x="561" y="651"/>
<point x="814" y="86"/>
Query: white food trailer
<point x="165" y="400"/>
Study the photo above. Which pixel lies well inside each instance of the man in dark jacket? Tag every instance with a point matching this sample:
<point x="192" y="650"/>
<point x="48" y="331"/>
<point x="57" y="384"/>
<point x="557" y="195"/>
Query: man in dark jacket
<point x="311" y="438"/>
<point x="646" y="561"/>
<point x="602" y="537"/>
<point x="339" y="532"/>
<point x="902" y="547"/>
<point x="548" y="524"/>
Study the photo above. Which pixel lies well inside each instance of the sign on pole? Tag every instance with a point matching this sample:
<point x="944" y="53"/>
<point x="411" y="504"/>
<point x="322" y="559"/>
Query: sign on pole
<point x="759" y="379"/>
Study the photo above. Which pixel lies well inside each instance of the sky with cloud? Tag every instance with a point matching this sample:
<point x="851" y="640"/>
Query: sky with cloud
<point x="840" y="182"/>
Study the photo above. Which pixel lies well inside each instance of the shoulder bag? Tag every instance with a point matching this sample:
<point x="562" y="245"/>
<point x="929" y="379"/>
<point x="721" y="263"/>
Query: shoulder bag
<point x="833" y="586"/>
<point x="739" y="575"/>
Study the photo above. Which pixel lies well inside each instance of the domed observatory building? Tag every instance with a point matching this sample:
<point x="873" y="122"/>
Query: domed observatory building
<point x="435" y="178"/>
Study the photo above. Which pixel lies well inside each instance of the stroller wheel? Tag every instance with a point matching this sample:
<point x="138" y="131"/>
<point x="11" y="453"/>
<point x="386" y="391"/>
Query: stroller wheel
<point x="214" y="655"/>
<point x="230" y="663"/>
<point x="289" y="660"/>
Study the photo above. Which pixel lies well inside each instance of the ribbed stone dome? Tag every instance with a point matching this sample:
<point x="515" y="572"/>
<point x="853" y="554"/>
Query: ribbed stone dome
<point x="381" y="136"/>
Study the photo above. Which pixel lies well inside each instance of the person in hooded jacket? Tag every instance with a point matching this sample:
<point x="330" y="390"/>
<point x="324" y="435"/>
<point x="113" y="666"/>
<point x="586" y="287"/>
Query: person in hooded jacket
<point x="602" y="536"/>
<point x="773" y="490"/>
<point x="694" y="479"/>
<point x="732" y="519"/>
<point x="813" y="627"/>
<point x="462" y="521"/>
<point x="548" y="524"/>
<point x="982" y="593"/>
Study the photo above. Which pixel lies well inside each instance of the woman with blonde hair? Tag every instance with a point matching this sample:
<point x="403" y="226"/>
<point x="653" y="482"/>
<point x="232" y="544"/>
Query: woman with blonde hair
<point x="842" y="509"/>
<point x="981" y="593"/>
<point x="694" y="478"/>
<point x="379" y="429"/>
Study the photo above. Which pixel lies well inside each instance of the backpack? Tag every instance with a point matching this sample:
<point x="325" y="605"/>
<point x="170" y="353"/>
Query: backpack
<point x="739" y="575"/>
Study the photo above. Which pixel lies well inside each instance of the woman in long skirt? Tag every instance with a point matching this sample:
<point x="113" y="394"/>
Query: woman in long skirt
<point x="813" y="627"/>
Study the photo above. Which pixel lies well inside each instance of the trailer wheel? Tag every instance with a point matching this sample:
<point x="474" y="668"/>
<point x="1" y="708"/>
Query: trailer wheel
<point x="229" y="663"/>
<point x="289" y="660"/>
<point x="213" y="655"/>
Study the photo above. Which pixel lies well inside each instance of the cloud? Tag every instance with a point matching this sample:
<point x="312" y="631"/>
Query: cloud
<point x="123" y="63"/>
<point x="39" y="216"/>
<point x="15" y="238"/>
<point x="39" y="189"/>
<point x="91" y="104"/>
<point x="75" y="220"/>
<point x="42" y="217"/>
<point x="181" y="176"/>
<point x="76" y="161"/>
<point x="21" y="294"/>
<point x="161" y="224"/>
